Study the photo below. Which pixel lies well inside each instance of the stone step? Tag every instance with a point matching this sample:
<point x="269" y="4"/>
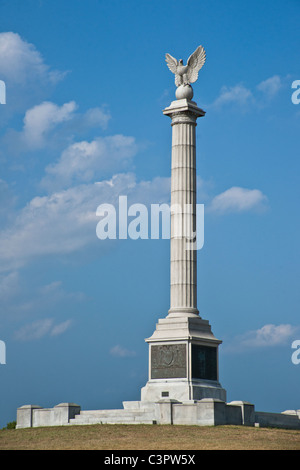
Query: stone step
<point x="139" y="405"/>
<point x="90" y="421"/>
<point x="121" y="416"/>
<point x="132" y="418"/>
<point x="115" y="413"/>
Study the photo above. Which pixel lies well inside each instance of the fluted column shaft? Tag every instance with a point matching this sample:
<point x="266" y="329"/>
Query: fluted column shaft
<point x="183" y="260"/>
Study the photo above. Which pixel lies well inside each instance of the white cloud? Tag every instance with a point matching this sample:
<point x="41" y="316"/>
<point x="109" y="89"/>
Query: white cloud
<point x="61" y="328"/>
<point x="237" y="199"/>
<point x="84" y="161"/>
<point x="237" y="94"/>
<point x="268" y="336"/>
<point x="65" y="222"/>
<point x="35" y="330"/>
<point x="41" y="328"/>
<point x="271" y="86"/>
<point x="51" y="224"/>
<point x="95" y="117"/>
<point x="48" y="125"/>
<point x="20" y="61"/>
<point x="8" y="200"/>
<point x="40" y="119"/>
<point x="244" y="97"/>
<point x="28" y="78"/>
<point x="119" y="351"/>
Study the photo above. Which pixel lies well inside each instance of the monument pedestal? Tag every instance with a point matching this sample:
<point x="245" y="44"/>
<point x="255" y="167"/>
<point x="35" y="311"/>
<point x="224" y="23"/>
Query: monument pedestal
<point x="183" y="361"/>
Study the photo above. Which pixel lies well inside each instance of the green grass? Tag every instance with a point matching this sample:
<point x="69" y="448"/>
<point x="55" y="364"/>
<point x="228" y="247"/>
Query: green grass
<point x="149" y="437"/>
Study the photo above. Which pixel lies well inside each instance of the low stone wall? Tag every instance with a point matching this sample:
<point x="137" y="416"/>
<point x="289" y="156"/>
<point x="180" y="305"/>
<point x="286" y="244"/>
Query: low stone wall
<point x="36" y="416"/>
<point x="205" y="412"/>
<point x="277" y="420"/>
<point x="212" y="412"/>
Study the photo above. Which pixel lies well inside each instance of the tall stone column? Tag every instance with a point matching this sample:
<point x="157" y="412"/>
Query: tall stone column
<point x="183" y="260"/>
<point x="183" y="352"/>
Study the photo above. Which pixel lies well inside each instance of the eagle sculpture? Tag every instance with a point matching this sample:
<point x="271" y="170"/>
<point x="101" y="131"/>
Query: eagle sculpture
<point x="187" y="74"/>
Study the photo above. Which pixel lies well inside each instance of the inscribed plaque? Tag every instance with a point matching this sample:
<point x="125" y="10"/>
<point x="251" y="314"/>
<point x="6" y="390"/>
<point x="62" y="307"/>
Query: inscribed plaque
<point x="168" y="361"/>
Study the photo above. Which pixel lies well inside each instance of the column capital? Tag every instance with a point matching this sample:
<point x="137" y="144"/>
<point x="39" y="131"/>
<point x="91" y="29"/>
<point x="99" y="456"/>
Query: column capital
<point x="182" y="108"/>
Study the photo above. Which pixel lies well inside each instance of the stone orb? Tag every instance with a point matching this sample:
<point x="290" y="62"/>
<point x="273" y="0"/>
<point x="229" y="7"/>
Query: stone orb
<point x="184" y="92"/>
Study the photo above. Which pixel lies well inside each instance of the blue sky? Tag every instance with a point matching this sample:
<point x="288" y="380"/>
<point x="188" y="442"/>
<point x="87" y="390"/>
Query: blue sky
<point x="86" y="85"/>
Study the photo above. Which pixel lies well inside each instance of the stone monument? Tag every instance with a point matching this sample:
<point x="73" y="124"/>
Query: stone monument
<point x="183" y="352"/>
<point x="183" y="385"/>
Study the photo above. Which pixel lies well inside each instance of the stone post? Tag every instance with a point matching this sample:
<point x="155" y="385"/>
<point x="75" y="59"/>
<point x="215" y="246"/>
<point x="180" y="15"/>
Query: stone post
<point x="25" y="416"/>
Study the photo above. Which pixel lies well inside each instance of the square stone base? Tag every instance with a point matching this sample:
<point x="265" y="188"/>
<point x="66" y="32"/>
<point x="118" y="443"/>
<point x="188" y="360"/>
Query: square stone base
<point x="182" y="390"/>
<point x="183" y="361"/>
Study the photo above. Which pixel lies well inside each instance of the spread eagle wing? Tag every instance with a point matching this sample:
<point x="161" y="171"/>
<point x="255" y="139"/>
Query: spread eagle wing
<point x="172" y="63"/>
<point x="195" y="63"/>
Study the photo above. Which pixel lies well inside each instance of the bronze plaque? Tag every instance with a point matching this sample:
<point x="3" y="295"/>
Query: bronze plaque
<point x="168" y="361"/>
<point x="204" y="362"/>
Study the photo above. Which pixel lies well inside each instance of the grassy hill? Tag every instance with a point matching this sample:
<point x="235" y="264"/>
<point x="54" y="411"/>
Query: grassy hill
<point x="148" y="437"/>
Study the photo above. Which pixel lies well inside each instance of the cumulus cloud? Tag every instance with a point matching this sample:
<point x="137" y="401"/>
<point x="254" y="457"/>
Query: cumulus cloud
<point x="65" y="221"/>
<point x="267" y="336"/>
<point x="40" y="119"/>
<point x="84" y="161"/>
<point x="25" y="73"/>
<point x="8" y="200"/>
<point x="237" y="199"/>
<point x="48" y="125"/>
<point x="237" y="94"/>
<point x="244" y="97"/>
<point x="271" y="86"/>
<point x="20" y="61"/>
<point x="94" y="117"/>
